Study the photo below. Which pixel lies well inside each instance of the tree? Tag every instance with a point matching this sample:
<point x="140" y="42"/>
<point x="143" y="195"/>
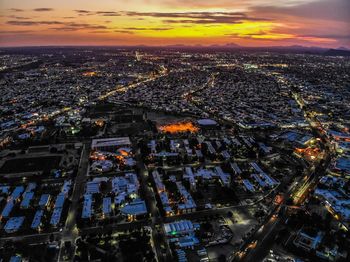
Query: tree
<point x="289" y="202"/>
<point x="104" y="186"/>
<point x="52" y="237"/>
<point x="11" y="154"/>
<point x="207" y="226"/>
<point x="67" y="244"/>
<point x="222" y="258"/>
<point x="53" y="150"/>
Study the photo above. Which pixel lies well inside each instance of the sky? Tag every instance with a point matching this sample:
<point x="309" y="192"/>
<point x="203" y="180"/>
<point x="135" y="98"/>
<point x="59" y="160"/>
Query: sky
<point x="323" y="23"/>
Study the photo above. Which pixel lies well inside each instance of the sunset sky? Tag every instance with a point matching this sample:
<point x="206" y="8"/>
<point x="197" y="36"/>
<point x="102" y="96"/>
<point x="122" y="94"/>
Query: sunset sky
<point x="323" y="23"/>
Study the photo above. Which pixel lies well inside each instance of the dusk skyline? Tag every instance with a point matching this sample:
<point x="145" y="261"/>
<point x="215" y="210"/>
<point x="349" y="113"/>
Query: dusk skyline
<point x="323" y="23"/>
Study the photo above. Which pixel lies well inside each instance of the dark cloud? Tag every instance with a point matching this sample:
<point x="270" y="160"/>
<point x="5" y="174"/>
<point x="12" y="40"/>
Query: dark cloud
<point x="16" y="10"/>
<point x="199" y="17"/>
<point x="108" y="13"/>
<point x="42" y="9"/>
<point x="148" y="28"/>
<point x="337" y="10"/>
<point x="18" y="17"/>
<point x="82" y="12"/>
<point x="132" y="30"/>
<point x="64" y="29"/>
<point x="99" y="32"/>
<point x="32" y="23"/>
<point x="62" y="26"/>
<point x="201" y="21"/>
<point x="124" y="32"/>
<point x="91" y="26"/>
<point x="182" y="17"/>
<point x="261" y="32"/>
<point x="185" y="14"/>
<point x="101" y="13"/>
<point x="71" y="26"/>
<point x="16" y="32"/>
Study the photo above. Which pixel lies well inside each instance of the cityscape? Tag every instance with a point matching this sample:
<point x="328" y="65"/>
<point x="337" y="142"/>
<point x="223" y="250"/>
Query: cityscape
<point x="175" y="144"/>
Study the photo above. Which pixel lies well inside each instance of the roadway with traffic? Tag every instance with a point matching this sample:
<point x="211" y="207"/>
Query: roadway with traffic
<point x="261" y="242"/>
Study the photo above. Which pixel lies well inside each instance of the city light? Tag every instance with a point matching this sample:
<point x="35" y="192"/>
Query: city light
<point x="179" y="128"/>
<point x="172" y="130"/>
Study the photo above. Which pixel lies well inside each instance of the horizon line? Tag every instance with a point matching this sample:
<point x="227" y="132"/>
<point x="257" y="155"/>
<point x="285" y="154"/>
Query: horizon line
<point x="228" y="46"/>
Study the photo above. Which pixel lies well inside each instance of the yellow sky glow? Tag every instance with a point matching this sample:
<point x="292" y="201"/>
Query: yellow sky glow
<point x="153" y="22"/>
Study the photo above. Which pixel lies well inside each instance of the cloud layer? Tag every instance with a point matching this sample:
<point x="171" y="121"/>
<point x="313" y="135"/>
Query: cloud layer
<point x="249" y="22"/>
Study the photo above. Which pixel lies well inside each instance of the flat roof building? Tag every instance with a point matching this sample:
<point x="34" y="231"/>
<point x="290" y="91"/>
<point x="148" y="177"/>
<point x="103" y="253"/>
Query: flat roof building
<point x="13" y="224"/>
<point x="60" y="200"/>
<point x="180" y="227"/>
<point x="44" y="200"/>
<point x="110" y="144"/>
<point x="17" y="192"/>
<point x="106" y="206"/>
<point x="135" y="208"/>
<point x="56" y="216"/>
<point x="87" y="207"/>
<point x="37" y="219"/>
<point x="28" y="196"/>
<point x="248" y="185"/>
<point x="8" y="208"/>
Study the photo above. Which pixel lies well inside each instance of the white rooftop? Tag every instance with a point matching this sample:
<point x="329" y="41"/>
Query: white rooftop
<point x="117" y="141"/>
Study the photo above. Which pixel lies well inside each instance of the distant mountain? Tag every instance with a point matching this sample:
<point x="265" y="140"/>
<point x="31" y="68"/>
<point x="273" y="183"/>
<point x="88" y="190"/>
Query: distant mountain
<point x="214" y="46"/>
<point x="337" y="52"/>
<point x="234" y="46"/>
<point x="228" y="45"/>
<point x="296" y="48"/>
<point x="231" y="45"/>
<point x="177" y="45"/>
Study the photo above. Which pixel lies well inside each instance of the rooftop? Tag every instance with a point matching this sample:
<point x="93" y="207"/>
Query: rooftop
<point x="137" y="207"/>
<point x="107" y="142"/>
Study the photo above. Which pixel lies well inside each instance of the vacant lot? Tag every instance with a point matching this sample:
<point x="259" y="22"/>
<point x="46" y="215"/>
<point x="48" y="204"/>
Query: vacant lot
<point x="31" y="164"/>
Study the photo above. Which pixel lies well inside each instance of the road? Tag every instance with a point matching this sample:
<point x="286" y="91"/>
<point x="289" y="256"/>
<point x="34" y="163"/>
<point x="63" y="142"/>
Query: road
<point x="70" y="232"/>
<point x="209" y="83"/>
<point x="78" y="189"/>
<point x="265" y="234"/>
<point x="119" y="88"/>
<point x="156" y="219"/>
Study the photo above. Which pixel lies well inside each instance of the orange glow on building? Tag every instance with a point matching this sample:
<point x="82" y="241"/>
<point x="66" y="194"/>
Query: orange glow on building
<point x="89" y="74"/>
<point x="308" y="153"/>
<point x="120" y="158"/>
<point x="278" y="199"/>
<point x="179" y="128"/>
<point x="97" y="156"/>
<point x="123" y="152"/>
<point x="99" y="122"/>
